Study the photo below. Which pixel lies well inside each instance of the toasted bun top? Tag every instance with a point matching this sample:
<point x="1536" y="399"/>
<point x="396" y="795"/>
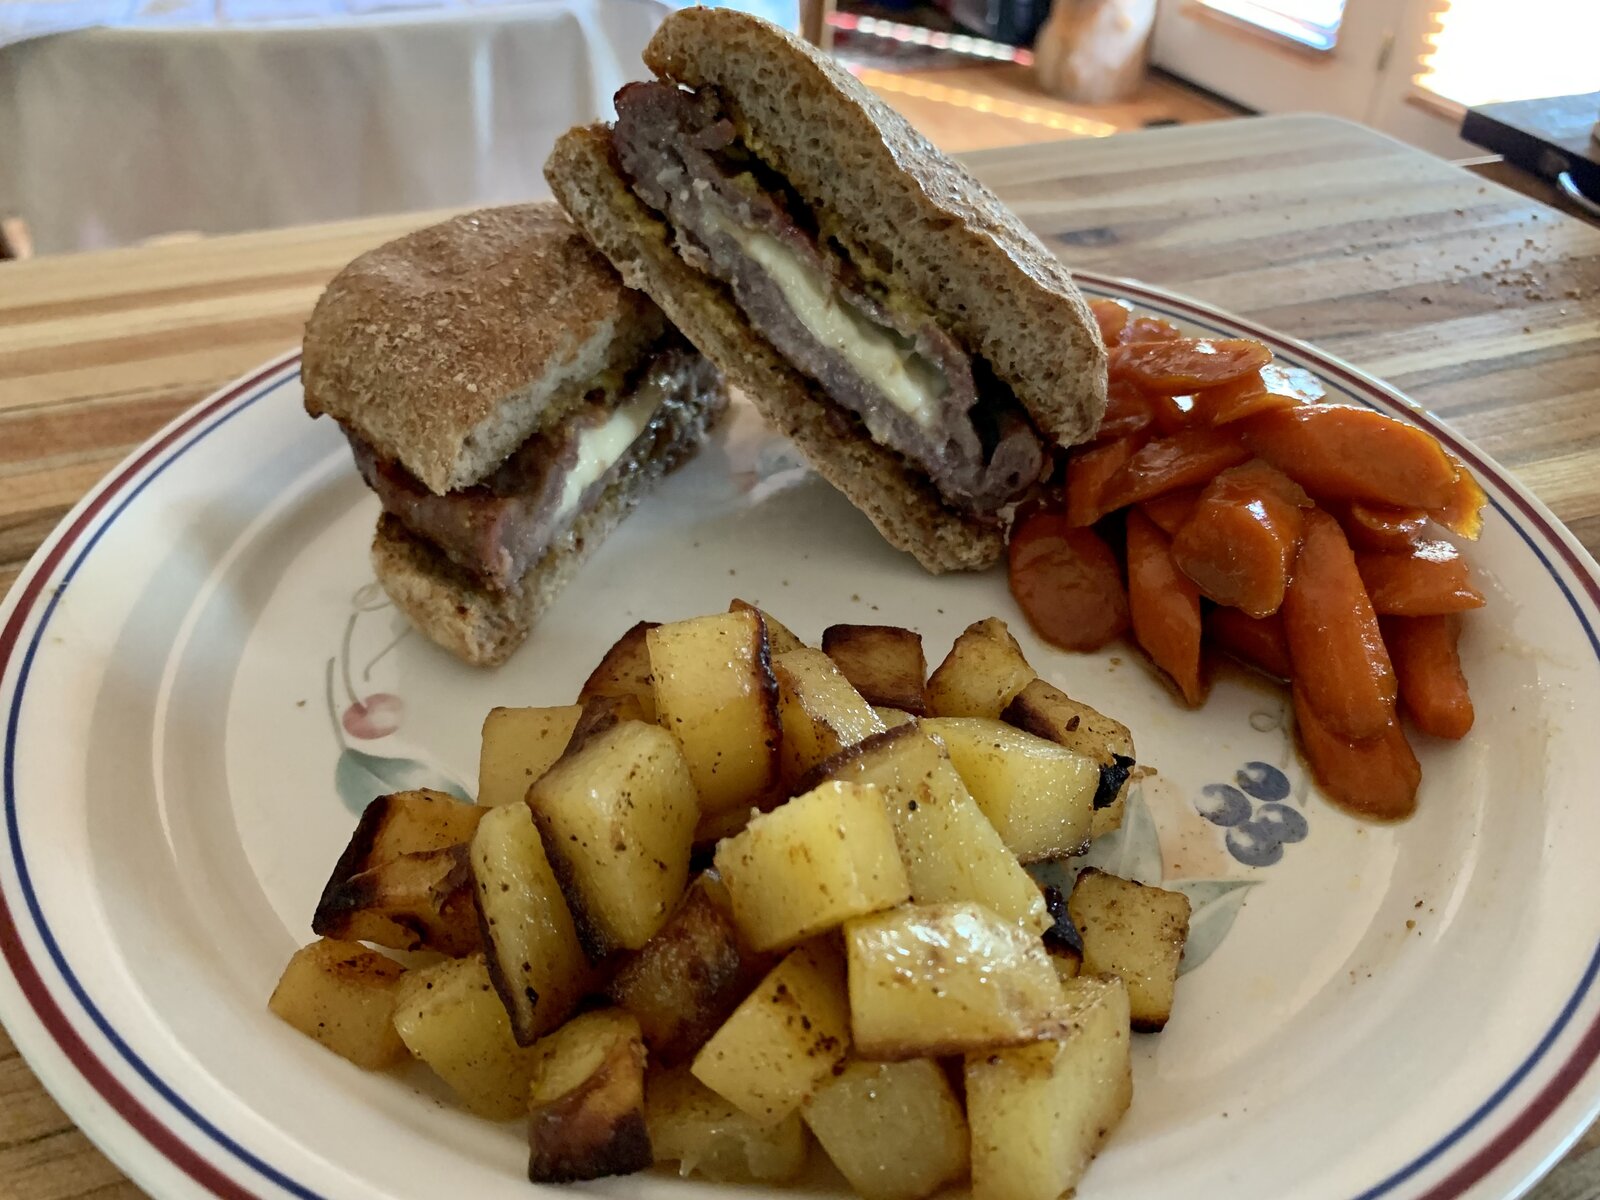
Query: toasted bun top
<point x="905" y="211"/>
<point x="448" y="347"/>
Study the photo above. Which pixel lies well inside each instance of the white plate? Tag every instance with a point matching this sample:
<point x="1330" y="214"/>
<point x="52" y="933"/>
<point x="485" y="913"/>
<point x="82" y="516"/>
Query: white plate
<point x="1403" y="1011"/>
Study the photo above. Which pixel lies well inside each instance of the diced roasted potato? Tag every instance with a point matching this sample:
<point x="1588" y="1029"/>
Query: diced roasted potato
<point x="715" y="692"/>
<point x="407" y="823"/>
<point x="519" y="745"/>
<point x="821" y="713"/>
<point x="779" y="638"/>
<point x="705" y="1135"/>
<point x="617" y="819"/>
<point x="1135" y="932"/>
<point x="783" y="1040"/>
<point x="449" y="1016"/>
<point x="927" y="980"/>
<point x="625" y="671"/>
<point x="1062" y="941"/>
<point x="1039" y="796"/>
<point x="683" y="983"/>
<point x="342" y="995"/>
<point x="1047" y="712"/>
<point x="586" y="1100"/>
<point x="530" y="943"/>
<point x="950" y="850"/>
<point x="811" y="864"/>
<point x="600" y="714"/>
<point x="1039" y="1113"/>
<point x="413" y="902"/>
<point x="984" y="670"/>
<point x="894" y="1130"/>
<point x="892" y="717"/>
<point x="884" y="662"/>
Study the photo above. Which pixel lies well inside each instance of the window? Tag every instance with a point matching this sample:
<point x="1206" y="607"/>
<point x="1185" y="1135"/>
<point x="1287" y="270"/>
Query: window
<point x="1313" y="23"/>
<point x="1481" y="51"/>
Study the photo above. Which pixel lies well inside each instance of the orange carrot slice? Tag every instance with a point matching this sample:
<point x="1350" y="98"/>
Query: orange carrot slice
<point x="1427" y="662"/>
<point x="1342" y="453"/>
<point x="1067" y="582"/>
<point x="1257" y="642"/>
<point x="1088" y="471"/>
<point x="1239" y="543"/>
<point x="1171" y="509"/>
<point x="1430" y="580"/>
<point x="1182" y="460"/>
<point x="1165" y="607"/>
<point x="1129" y="411"/>
<point x="1463" y="512"/>
<point x="1335" y="645"/>
<point x="1150" y="329"/>
<point x="1112" y="316"/>
<point x="1183" y="364"/>
<point x="1373" y="777"/>
<point x="1378" y="527"/>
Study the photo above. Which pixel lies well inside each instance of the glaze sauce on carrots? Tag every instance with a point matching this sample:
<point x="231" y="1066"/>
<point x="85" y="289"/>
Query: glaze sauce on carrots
<point x="1222" y="505"/>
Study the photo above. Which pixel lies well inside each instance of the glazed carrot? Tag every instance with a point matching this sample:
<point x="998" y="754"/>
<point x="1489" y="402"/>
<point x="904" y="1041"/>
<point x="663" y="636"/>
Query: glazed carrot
<point x="1463" y="512"/>
<point x="1112" y="316"/>
<point x="1165" y="607"/>
<point x="1239" y="543"/>
<point x="1183" y="364"/>
<point x="1182" y="460"/>
<point x="1225" y="410"/>
<point x="1335" y="646"/>
<point x="1173" y="414"/>
<point x="1067" y="581"/>
<point x="1372" y="777"/>
<point x="1431" y="579"/>
<point x="1129" y="410"/>
<point x="1150" y="329"/>
<point x="1171" y="509"/>
<point x="1378" y="527"/>
<point x="1088" y="471"/>
<point x="1257" y="642"/>
<point x="1427" y="662"/>
<point x="1337" y="452"/>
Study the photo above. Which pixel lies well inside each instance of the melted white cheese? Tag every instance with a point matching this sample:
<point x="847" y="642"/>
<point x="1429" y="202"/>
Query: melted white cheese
<point x="600" y="446"/>
<point x="880" y="356"/>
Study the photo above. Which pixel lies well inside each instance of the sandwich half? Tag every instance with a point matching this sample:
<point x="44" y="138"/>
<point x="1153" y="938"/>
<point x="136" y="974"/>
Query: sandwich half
<point x="510" y="402"/>
<point x="878" y="305"/>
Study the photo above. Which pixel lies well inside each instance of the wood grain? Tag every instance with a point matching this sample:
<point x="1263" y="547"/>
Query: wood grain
<point x="1482" y="304"/>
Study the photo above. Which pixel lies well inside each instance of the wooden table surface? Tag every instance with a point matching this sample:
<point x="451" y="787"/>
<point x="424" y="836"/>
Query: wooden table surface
<point x="1481" y="304"/>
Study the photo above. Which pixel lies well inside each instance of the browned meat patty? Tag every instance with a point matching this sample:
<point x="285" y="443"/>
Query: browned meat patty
<point x="682" y="157"/>
<point x="498" y="528"/>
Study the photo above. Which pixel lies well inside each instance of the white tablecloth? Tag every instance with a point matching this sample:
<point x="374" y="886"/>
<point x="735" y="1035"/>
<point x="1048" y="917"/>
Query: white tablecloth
<point x="113" y="134"/>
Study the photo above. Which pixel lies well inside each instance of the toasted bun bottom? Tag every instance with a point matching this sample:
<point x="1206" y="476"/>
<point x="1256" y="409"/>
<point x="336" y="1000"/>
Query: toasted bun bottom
<point x="484" y="627"/>
<point x="584" y="173"/>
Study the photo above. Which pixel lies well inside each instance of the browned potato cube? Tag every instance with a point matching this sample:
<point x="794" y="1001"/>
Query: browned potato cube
<point x="600" y="714"/>
<point x="617" y="819"/>
<point x="450" y="1017"/>
<point x="715" y="692"/>
<point x="894" y="1130"/>
<point x="984" y="670"/>
<point x="625" y="671"/>
<point x="586" y="1102"/>
<point x="950" y="850"/>
<point x="821" y="713"/>
<point x="519" y="745"/>
<point x="929" y="980"/>
<point x="530" y="942"/>
<point x="893" y="717"/>
<point x="705" y="1135"/>
<point x="342" y="995"/>
<point x="811" y="864"/>
<point x="1062" y="941"/>
<point x="683" y="983"/>
<point x="1135" y="932"/>
<point x="406" y="823"/>
<point x="1039" y="1113"/>
<point x="783" y="1040"/>
<point x="884" y="662"/>
<point x="413" y="902"/>
<point x="1047" y="712"/>
<point x="779" y="638"/>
